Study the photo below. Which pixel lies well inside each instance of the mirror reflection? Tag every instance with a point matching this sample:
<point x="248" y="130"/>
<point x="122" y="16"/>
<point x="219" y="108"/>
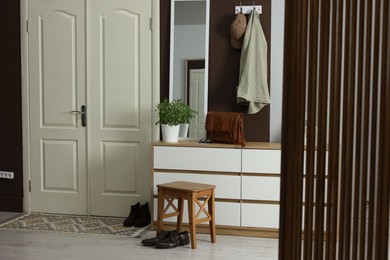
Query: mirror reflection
<point x="188" y="61"/>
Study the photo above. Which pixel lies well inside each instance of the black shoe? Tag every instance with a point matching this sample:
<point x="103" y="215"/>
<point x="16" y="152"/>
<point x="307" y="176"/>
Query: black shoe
<point x="153" y="241"/>
<point x="143" y="217"/>
<point x="134" y="213"/>
<point x="173" y="240"/>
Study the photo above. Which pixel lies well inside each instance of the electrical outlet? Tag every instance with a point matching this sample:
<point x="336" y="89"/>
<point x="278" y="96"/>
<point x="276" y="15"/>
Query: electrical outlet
<point x="6" y="175"/>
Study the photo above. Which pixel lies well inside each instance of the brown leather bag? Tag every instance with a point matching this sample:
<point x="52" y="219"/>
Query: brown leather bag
<point x="225" y="127"/>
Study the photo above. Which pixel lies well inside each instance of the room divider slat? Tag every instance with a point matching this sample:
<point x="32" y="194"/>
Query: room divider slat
<point x="312" y="92"/>
<point x="367" y="20"/>
<point x="358" y="180"/>
<point x="374" y="127"/>
<point x="334" y="128"/>
<point x="382" y="214"/>
<point x="293" y="123"/>
<point x="322" y="114"/>
<point x="348" y="130"/>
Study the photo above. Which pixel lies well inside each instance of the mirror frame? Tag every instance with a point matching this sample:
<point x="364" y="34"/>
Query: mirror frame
<point x="171" y="48"/>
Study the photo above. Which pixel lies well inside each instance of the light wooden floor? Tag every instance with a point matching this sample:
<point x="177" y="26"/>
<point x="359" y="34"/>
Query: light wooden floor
<point x="19" y="245"/>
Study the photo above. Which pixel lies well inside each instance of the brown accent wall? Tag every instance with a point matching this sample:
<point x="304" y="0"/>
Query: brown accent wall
<point x="11" y="191"/>
<point x="224" y="63"/>
<point x="165" y="30"/>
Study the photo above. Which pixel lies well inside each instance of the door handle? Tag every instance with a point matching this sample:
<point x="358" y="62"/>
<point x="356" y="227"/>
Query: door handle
<point x="83" y="114"/>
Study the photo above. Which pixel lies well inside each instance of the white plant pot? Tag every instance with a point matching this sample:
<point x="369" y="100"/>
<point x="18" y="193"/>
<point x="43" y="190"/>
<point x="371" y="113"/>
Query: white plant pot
<point x="183" y="132"/>
<point x="170" y="133"/>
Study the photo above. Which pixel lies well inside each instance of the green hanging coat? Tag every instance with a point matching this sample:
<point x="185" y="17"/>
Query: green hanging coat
<point x="252" y="89"/>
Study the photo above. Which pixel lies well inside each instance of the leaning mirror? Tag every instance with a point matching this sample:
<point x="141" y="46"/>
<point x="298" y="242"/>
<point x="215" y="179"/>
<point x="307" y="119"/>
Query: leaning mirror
<point x="188" y="77"/>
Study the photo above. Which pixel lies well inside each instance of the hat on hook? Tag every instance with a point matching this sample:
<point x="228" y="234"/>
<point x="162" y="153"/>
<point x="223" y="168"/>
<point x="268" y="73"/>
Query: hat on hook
<point x="237" y="30"/>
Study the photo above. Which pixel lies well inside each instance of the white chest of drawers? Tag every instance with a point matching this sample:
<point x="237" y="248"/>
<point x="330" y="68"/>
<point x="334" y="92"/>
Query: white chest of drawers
<point x="247" y="181"/>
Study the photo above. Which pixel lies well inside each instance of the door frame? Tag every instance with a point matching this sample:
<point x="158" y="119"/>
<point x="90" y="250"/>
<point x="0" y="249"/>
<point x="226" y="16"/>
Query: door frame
<point x="155" y="25"/>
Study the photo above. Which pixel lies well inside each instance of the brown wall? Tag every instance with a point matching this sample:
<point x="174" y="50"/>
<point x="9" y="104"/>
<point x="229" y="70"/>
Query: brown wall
<point x="165" y="10"/>
<point x="224" y="63"/>
<point x="11" y="191"/>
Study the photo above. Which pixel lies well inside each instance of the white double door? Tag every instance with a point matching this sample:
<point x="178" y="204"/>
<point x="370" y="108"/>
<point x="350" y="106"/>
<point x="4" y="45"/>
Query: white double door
<point x="97" y="54"/>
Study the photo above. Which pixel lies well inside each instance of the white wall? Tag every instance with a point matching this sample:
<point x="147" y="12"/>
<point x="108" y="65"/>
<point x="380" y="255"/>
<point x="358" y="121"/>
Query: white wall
<point x="277" y="52"/>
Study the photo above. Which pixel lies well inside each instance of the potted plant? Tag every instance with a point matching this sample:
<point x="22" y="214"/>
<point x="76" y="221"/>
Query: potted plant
<point x="171" y="115"/>
<point x="186" y="114"/>
<point x="169" y="119"/>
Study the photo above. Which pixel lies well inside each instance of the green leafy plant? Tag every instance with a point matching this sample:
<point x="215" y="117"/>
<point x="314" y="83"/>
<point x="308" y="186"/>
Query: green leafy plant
<point x="174" y="112"/>
<point x="186" y="113"/>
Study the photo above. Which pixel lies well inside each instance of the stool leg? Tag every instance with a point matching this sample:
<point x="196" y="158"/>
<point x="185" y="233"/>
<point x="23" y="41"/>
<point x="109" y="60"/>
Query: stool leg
<point x="160" y="209"/>
<point x="212" y="221"/>
<point x="191" y="219"/>
<point x="180" y="202"/>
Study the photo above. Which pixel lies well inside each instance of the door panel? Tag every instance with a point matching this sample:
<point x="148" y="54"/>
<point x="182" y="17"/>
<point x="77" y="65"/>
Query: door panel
<point x="57" y="29"/>
<point x="197" y="124"/>
<point x="119" y="49"/>
<point x="119" y="177"/>
<point x="59" y="175"/>
<point x="119" y="104"/>
<point x="57" y="86"/>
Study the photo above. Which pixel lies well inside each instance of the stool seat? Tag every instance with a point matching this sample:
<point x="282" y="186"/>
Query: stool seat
<point x="186" y="186"/>
<point x="192" y="192"/>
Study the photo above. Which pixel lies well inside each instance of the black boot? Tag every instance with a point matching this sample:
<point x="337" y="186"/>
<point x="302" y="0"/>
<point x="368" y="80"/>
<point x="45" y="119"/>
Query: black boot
<point x="144" y="216"/>
<point x="134" y="213"/>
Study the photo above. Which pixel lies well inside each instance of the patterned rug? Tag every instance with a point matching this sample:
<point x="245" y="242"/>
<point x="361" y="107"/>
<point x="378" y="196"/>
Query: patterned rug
<point x="73" y="224"/>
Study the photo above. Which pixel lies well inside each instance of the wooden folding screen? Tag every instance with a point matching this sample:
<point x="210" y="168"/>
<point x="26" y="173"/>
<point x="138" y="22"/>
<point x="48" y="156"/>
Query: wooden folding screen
<point x="336" y="130"/>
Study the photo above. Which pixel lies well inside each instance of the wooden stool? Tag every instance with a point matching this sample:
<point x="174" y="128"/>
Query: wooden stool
<point x="191" y="191"/>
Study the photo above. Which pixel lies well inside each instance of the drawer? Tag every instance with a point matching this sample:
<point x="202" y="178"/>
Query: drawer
<point x="227" y="186"/>
<point x="200" y="159"/>
<point x="260" y="215"/>
<point x="260" y="188"/>
<point x="226" y="213"/>
<point x="261" y="161"/>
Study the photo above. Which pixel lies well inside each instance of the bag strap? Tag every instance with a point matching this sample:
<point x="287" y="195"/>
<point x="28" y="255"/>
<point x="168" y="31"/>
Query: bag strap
<point x="241" y="131"/>
<point x="212" y="126"/>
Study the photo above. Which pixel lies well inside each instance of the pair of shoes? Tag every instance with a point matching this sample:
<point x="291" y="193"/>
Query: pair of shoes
<point x="139" y="216"/>
<point x="168" y="239"/>
<point x="153" y="241"/>
<point x="173" y="240"/>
